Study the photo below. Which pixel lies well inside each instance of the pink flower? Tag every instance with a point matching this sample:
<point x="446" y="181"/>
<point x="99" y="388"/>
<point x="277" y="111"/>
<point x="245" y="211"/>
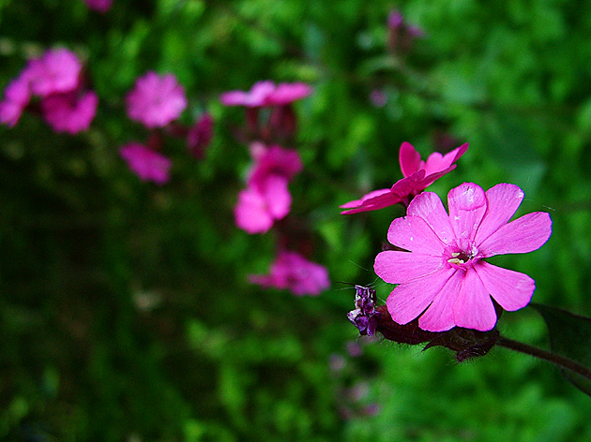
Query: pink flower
<point x="444" y="280"/>
<point x="70" y="112"/>
<point x="260" y="206"/>
<point x="147" y="164"/>
<point x="273" y="160"/>
<point x="58" y="70"/>
<point x="16" y="98"/>
<point x="266" y="198"/>
<point x="265" y="93"/>
<point x="156" y="101"/>
<point x="101" y="6"/>
<point x="293" y="272"/>
<point x="418" y="175"/>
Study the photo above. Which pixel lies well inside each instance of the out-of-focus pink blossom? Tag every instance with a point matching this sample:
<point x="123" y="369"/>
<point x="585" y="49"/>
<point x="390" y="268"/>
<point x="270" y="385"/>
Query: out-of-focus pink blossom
<point x="156" y="101"/>
<point x="101" y="6"/>
<point x="418" y="175"/>
<point x="147" y="164"/>
<point x="266" y="93"/>
<point x="16" y="98"/>
<point x="200" y="135"/>
<point x="260" y="206"/>
<point x="443" y="278"/>
<point x="70" y="112"/>
<point x="57" y="71"/>
<point x="273" y="161"/>
<point x="291" y="271"/>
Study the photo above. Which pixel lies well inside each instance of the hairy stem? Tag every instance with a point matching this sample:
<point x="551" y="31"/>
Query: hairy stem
<point x="545" y="355"/>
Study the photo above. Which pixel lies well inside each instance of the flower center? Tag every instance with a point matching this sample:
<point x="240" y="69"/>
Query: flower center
<point x="461" y="258"/>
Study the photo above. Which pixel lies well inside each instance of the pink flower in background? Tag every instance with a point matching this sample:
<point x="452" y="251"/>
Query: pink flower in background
<point x="266" y="198"/>
<point x="199" y="136"/>
<point x="16" y="98"/>
<point x="156" y="101"/>
<point x="443" y="279"/>
<point x="291" y="271"/>
<point x="71" y="112"/>
<point x="266" y="93"/>
<point x="418" y="175"/>
<point x="147" y="164"/>
<point x="99" y="5"/>
<point x="260" y="206"/>
<point x="273" y="160"/>
<point x="58" y="70"/>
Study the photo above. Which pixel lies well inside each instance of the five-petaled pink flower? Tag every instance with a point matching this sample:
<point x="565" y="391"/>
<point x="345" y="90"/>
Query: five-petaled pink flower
<point x="443" y="279"/>
<point x="418" y="175"/>
<point x="293" y="272"/>
<point x="266" y="93"/>
<point x="147" y="164"/>
<point x="156" y="101"/>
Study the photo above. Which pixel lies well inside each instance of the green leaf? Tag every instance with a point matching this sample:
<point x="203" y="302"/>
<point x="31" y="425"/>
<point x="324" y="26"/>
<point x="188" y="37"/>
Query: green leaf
<point x="570" y="336"/>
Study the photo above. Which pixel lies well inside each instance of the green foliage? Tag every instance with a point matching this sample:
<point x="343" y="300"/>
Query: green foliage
<point x="125" y="308"/>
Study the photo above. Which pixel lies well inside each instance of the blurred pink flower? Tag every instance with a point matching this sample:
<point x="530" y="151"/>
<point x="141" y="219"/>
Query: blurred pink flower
<point x="291" y="271"/>
<point x="199" y="136"/>
<point x="99" y="5"/>
<point x="58" y="70"/>
<point x="443" y="279"/>
<point x="16" y="98"/>
<point x="266" y="93"/>
<point x="156" y="101"/>
<point x="147" y="164"/>
<point x="71" y="112"/>
<point x="418" y="175"/>
<point x="273" y="160"/>
<point x="260" y="206"/>
<point x="266" y="198"/>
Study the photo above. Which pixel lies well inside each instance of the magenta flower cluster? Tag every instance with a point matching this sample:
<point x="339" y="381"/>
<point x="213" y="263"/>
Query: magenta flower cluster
<point x="266" y="198"/>
<point x="56" y="80"/>
<point x="156" y="102"/>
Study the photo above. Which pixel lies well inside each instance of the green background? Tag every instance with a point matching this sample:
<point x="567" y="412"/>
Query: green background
<point x="125" y="308"/>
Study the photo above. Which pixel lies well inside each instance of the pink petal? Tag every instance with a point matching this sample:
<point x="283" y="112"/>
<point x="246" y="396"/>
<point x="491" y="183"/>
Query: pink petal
<point x="467" y="206"/>
<point x="522" y="235"/>
<point x="431" y="178"/>
<point x="437" y="162"/>
<point x="474" y="308"/>
<point x="359" y="202"/>
<point x="439" y="316"/>
<point x="428" y="206"/>
<point x="503" y="202"/>
<point x="414" y="234"/>
<point x="409" y="158"/>
<point x="409" y="300"/>
<point x="512" y="290"/>
<point x="251" y="212"/>
<point x="410" y="185"/>
<point x="398" y="267"/>
<point x="277" y="196"/>
<point x="375" y="200"/>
